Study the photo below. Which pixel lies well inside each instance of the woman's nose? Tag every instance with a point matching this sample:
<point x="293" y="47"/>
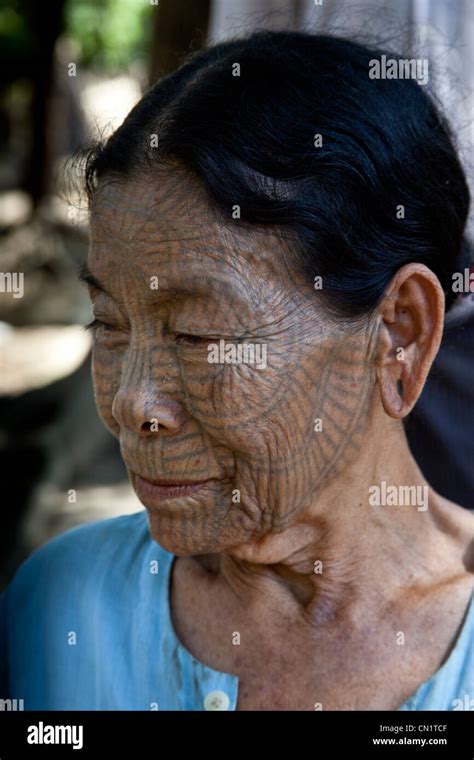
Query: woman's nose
<point x="148" y="416"/>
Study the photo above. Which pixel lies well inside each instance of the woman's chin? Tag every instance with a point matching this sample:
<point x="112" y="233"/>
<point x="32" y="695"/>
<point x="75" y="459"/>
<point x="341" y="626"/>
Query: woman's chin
<point x="182" y="537"/>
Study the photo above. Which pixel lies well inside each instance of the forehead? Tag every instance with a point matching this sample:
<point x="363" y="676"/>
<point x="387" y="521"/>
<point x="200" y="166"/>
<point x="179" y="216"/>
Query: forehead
<point x="168" y="221"/>
<point x="166" y="227"/>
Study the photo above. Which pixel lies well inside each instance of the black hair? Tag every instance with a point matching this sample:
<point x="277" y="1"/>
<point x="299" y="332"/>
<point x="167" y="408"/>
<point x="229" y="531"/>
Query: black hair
<point x="384" y="152"/>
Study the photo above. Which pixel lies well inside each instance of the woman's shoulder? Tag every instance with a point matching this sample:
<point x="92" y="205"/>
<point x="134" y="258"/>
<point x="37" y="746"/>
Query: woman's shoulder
<point x="76" y="607"/>
<point x="452" y="686"/>
<point x="87" y="556"/>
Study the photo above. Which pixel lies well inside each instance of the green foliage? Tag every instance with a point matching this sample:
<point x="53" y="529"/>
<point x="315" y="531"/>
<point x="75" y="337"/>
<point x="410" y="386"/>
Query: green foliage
<point x="15" y="36"/>
<point x="109" y="33"/>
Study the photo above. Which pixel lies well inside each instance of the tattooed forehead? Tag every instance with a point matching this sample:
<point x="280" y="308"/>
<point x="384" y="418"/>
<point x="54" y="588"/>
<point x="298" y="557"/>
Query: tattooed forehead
<point x="173" y="232"/>
<point x="175" y="214"/>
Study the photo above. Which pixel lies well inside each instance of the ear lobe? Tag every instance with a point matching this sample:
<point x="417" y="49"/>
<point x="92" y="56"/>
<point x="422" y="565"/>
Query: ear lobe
<point x="393" y="375"/>
<point x="392" y="400"/>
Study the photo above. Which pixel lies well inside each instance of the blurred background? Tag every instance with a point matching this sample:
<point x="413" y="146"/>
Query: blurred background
<point x="70" y="70"/>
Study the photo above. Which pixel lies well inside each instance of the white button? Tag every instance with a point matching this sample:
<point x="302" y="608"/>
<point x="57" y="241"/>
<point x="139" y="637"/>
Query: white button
<point x="216" y="700"/>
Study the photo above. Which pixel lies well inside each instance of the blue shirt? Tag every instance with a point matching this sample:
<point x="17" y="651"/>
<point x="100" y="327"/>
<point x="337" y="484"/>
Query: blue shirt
<point x="85" y="625"/>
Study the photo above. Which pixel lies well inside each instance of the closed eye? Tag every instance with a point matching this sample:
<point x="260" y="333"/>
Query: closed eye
<point x="99" y="328"/>
<point x="191" y="340"/>
<point x="97" y="324"/>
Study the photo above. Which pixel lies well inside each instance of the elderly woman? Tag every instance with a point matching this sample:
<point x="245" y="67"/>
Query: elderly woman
<point x="273" y="237"/>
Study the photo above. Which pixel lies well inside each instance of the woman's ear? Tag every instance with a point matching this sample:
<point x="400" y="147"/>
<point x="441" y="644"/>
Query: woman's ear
<point x="412" y="316"/>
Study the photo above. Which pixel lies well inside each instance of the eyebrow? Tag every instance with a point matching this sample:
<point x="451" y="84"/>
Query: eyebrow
<point x="86" y="276"/>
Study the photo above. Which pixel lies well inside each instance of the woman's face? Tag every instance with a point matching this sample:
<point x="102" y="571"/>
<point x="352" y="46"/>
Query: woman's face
<point x="269" y="431"/>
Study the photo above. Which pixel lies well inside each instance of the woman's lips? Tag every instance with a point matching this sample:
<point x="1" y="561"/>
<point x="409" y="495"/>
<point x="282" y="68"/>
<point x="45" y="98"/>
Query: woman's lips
<point x="162" y="490"/>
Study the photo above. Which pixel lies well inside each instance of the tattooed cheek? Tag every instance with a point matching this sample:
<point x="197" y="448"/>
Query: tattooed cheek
<point x="106" y="375"/>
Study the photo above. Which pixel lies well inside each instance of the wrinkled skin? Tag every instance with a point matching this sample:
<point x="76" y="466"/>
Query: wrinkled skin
<point x="301" y="493"/>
